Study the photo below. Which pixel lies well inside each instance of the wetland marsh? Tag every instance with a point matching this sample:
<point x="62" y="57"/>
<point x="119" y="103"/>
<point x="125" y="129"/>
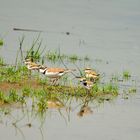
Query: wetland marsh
<point x="102" y="35"/>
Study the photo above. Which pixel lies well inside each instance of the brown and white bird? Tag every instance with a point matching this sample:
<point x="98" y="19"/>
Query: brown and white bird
<point x="54" y="73"/>
<point x="86" y="83"/>
<point x="31" y="65"/>
<point x="91" y="74"/>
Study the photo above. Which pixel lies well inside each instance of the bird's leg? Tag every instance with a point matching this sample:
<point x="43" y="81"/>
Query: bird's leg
<point x="87" y="91"/>
<point x="87" y="95"/>
<point x="29" y="74"/>
<point x="51" y="81"/>
<point x="55" y="81"/>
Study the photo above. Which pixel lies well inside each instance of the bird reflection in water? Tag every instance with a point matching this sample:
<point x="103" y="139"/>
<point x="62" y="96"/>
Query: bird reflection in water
<point x="84" y="110"/>
<point x="55" y="103"/>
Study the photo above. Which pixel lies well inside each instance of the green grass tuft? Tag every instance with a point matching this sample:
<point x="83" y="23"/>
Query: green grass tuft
<point x="1" y="42"/>
<point x="126" y="75"/>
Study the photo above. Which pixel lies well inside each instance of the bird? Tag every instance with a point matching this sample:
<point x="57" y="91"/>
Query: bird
<point x="54" y="73"/>
<point x="31" y="65"/>
<point x="91" y="74"/>
<point x="87" y="84"/>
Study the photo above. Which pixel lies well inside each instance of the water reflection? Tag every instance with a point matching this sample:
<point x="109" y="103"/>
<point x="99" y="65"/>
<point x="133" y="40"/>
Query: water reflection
<point x="55" y="103"/>
<point x="27" y="117"/>
<point x="84" y="110"/>
<point x="17" y="113"/>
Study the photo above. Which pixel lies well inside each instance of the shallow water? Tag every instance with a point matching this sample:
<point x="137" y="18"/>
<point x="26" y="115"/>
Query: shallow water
<point x="103" y="30"/>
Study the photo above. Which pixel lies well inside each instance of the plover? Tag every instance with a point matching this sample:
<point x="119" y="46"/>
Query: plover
<point x="86" y="83"/>
<point x="91" y="74"/>
<point x="31" y="65"/>
<point x="54" y="73"/>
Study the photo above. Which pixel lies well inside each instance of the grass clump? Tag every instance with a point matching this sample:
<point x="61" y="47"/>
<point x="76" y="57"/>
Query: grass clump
<point x="110" y="88"/>
<point x="2" y="62"/>
<point x="54" y="56"/>
<point x="1" y="42"/>
<point x="115" y="78"/>
<point x="12" y="75"/>
<point x="33" y="52"/>
<point x="2" y="98"/>
<point x="132" y="90"/>
<point x="13" y="96"/>
<point x="126" y="75"/>
<point x="73" y="57"/>
<point x="86" y="58"/>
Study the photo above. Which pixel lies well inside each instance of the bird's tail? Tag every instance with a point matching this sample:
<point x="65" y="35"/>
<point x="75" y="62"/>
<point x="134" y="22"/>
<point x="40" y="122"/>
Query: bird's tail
<point x="69" y="70"/>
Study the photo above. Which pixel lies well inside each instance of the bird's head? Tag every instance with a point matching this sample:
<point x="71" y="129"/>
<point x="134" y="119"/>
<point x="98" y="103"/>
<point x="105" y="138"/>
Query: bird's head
<point x="42" y="69"/>
<point x="27" y="61"/>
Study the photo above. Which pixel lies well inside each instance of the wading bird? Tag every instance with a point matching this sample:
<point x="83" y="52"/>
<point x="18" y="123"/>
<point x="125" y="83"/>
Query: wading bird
<point x="91" y="74"/>
<point x="86" y="83"/>
<point x="54" y="73"/>
<point x="31" y="65"/>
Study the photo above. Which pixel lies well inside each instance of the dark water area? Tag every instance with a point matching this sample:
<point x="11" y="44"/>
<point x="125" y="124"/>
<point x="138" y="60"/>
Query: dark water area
<point x="108" y="32"/>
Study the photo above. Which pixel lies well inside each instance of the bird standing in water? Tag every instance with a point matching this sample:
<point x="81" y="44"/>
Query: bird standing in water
<point x="54" y="73"/>
<point x="31" y="65"/>
<point x="91" y="74"/>
<point x="86" y="83"/>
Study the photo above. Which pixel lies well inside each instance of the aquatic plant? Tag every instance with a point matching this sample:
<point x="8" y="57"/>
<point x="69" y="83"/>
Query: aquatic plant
<point x="55" y="56"/>
<point x="115" y="78"/>
<point x="110" y="88"/>
<point x="13" y="96"/>
<point x="73" y="58"/>
<point x="126" y="75"/>
<point x="86" y="58"/>
<point x="2" y="62"/>
<point x="1" y="42"/>
<point x="2" y="98"/>
<point x="132" y="90"/>
<point x="34" y="52"/>
<point x="26" y="91"/>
